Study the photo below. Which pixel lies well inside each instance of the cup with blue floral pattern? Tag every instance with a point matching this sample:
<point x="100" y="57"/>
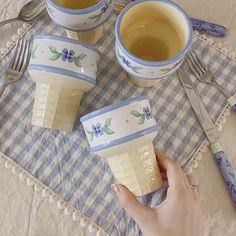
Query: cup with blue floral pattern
<point x="123" y="134"/>
<point x="152" y="39"/>
<point x="83" y="24"/>
<point x="63" y="70"/>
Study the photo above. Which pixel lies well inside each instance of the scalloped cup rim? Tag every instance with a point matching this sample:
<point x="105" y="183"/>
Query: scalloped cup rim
<point x="131" y="56"/>
<point x="77" y="11"/>
<point x="111" y="107"/>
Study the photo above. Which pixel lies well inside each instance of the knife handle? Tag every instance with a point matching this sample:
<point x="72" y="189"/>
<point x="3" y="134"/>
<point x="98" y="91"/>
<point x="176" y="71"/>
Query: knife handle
<point x="210" y="28"/>
<point x="226" y="169"/>
<point x="232" y="102"/>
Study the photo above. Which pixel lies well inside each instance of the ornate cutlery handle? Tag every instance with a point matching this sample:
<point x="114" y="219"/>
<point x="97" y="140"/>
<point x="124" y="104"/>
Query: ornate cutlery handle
<point x="210" y="28"/>
<point x="226" y="169"/>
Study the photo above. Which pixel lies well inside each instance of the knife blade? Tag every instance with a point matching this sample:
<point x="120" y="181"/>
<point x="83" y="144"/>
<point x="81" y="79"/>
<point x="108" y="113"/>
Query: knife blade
<point x="210" y="132"/>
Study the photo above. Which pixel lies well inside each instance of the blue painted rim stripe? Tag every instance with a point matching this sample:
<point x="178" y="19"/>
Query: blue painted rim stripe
<point x="148" y="63"/>
<point x="113" y="107"/>
<point x="125" y="139"/>
<point x="62" y="72"/>
<point x="67" y="40"/>
<point x="77" y="11"/>
<point x="84" y="30"/>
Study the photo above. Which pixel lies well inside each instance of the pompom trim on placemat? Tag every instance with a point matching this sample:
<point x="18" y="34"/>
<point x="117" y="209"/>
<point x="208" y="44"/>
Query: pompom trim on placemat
<point x="86" y="224"/>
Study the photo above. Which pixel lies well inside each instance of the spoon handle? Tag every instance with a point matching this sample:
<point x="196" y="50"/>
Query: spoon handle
<point x="8" y="21"/>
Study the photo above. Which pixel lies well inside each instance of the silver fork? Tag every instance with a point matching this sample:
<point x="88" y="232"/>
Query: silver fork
<point x="18" y="64"/>
<point x="203" y="74"/>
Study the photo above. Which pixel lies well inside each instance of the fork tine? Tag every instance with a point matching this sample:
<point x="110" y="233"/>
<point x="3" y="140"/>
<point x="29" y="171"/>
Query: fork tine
<point x="18" y="53"/>
<point x="14" y="55"/>
<point x="196" y="64"/>
<point x="200" y="60"/>
<point x="192" y="67"/>
<point x="22" y="55"/>
<point x="26" y="56"/>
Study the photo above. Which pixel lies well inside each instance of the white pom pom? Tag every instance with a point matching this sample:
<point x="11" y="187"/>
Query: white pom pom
<point x="45" y="193"/>
<point x="38" y="187"/>
<point x="9" y="44"/>
<point x="203" y="149"/>
<point x="8" y="164"/>
<point x="198" y="156"/>
<point x="99" y="233"/>
<point x="25" y="26"/>
<point x="92" y="230"/>
<point x="2" y="159"/>
<point x="20" y="31"/>
<point x="30" y="181"/>
<point x="83" y="223"/>
<point x="232" y="54"/>
<point x="15" y="38"/>
<point x="68" y="211"/>
<point x="15" y="170"/>
<point x="52" y="198"/>
<point x="188" y="170"/>
<point x="75" y="216"/>
<point x="22" y="175"/>
<point x="227" y="112"/>
<point x="219" y="127"/>
<point x="61" y="205"/>
<point x="193" y="164"/>
<point x="223" y="119"/>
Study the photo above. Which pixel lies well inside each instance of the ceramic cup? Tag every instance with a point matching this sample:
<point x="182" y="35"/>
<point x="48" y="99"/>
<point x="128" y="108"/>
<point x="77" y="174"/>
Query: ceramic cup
<point x="83" y="24"/>
<point x="152" y="39"/>
<point x="63" y="69"/>
<point x="123" y="134"/>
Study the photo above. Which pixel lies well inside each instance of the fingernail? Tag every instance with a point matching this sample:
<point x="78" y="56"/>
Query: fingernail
<point x="116" y="188"/>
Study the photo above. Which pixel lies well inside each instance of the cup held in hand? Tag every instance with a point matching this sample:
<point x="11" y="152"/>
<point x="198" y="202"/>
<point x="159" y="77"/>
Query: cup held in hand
<point x="123" y="133"/>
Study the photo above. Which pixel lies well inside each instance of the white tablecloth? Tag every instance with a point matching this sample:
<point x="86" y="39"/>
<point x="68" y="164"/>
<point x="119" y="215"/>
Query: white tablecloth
<point x="24" y="212"/>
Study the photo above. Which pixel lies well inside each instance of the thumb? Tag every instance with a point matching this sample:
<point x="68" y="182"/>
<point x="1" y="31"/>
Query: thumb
<point x="130" y="204"/>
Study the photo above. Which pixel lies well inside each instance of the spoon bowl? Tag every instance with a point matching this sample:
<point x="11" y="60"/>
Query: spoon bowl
<point x="29" y="13"/>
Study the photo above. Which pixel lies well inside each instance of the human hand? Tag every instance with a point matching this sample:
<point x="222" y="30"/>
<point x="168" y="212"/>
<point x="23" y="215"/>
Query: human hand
<point x="179" y="214"/>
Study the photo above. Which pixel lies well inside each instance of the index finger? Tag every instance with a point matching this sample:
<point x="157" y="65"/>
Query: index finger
<point x="174" y="172"/>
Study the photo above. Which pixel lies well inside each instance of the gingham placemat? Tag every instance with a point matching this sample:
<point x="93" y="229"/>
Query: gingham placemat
<point x="63" y="161"/>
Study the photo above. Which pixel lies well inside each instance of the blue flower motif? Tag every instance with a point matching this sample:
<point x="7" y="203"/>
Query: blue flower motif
<point x="68" y="55"/>
<point x="104" y="9"/>
<point x="126" y="62"/>
<point x="97" y="129"/>
<point x="147" y="113"/>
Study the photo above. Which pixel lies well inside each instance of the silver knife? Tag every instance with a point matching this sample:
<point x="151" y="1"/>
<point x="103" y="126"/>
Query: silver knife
<point x="210" y="132"/>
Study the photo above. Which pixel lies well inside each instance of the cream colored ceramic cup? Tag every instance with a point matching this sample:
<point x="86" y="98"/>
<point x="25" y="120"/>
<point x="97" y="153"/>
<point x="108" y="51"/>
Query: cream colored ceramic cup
<point x="63" y="70"/>
<point x="152" y="39"/>
<point x="123" y="134"/>
<point x="82" y="24"/>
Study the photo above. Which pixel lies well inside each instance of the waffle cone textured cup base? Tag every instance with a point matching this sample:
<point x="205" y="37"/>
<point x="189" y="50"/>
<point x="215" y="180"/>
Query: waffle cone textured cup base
<point x="55" y="106"/>
<point x="137" y="170"/>
<point x="143" y="83"/>
<point x="91" y="36"/>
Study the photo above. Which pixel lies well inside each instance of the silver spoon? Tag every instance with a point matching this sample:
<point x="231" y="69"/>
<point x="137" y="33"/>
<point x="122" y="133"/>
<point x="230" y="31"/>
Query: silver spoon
<point x="29" y="13"/>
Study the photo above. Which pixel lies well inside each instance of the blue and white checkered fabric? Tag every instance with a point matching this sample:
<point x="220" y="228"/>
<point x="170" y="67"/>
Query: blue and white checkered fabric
<point x="63" y="161"/>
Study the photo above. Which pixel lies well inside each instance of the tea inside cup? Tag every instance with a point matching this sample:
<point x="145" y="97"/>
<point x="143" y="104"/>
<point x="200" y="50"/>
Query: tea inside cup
<point x="82" y="20"/>
<point x="152" y="38"/>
